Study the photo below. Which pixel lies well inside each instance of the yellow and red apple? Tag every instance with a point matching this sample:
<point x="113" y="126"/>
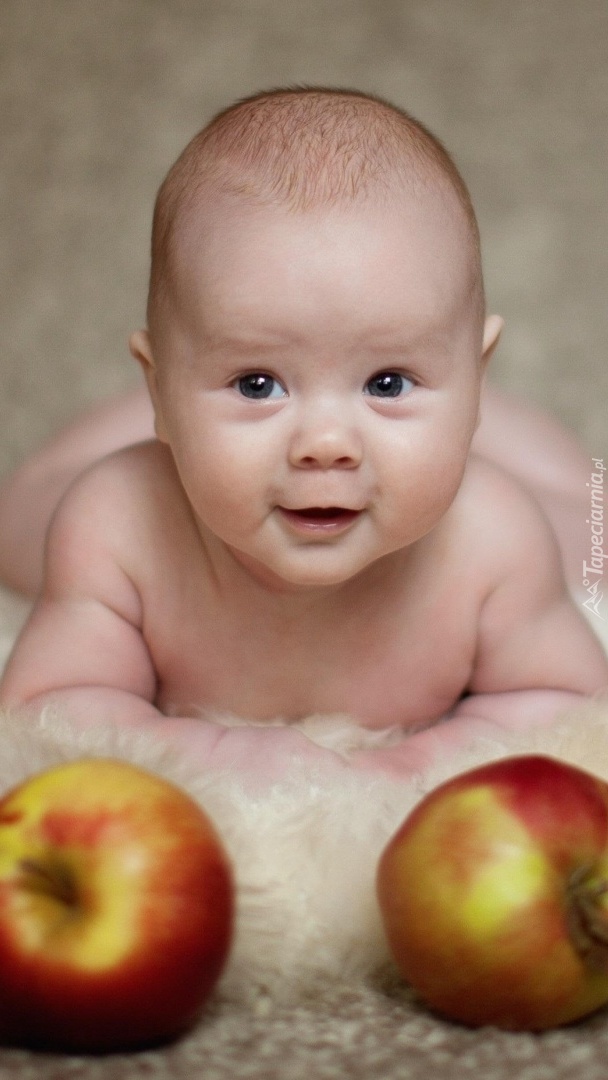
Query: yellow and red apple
<point x="116" y="909"/>
<point x="494" y="895"/>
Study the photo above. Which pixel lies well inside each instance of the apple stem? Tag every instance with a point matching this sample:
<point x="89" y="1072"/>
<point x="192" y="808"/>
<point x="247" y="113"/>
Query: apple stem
<point x="587" y="917"/>
<point x="55" y="881"/>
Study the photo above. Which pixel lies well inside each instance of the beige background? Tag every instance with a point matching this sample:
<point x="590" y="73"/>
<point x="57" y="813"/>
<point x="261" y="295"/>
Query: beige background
<point x="96" y="100"/>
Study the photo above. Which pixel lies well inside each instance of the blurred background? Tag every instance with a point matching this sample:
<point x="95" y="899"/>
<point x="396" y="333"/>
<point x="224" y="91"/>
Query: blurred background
<point x="97" y="99"/>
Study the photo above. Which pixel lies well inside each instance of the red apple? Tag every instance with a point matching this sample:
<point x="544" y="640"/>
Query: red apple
<point x="494" y="895"/>
<point x="116" y="909"/>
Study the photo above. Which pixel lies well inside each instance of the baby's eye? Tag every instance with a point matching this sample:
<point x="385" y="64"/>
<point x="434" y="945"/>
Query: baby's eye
<point x="259" y="386"/>
<point x="388" y="384"/>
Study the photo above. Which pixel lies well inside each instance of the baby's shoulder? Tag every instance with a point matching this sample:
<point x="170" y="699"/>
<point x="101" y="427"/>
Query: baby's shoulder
<point x="119" y="505"/>
<point x="131" y="480"/>
<point x="117" y="528"/>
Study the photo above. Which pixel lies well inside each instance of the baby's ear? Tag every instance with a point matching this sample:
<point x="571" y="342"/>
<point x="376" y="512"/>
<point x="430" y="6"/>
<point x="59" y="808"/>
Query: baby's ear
<point x="140" y="347"/>
<point x="492" y="330"/>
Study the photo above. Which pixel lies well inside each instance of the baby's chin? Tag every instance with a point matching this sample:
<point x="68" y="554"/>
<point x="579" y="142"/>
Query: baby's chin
<point x="311" y="571"/>
<point x="278" y="579"/>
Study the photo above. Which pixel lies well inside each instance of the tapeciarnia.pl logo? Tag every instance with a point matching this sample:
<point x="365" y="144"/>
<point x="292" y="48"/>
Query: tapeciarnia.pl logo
<point x="593" y="571"/>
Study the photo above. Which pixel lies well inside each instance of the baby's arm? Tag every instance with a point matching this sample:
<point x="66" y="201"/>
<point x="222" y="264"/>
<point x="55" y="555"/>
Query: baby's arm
<point x="536" y="656"/>
<point x="83" y="652"/>
<point x="531" y="637"/>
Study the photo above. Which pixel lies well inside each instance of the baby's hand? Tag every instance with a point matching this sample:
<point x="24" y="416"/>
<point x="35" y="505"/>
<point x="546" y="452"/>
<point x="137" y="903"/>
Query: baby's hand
<point x="420" y="751"/>
<point x="478" y="722"/>
<point x="259" y="755"/>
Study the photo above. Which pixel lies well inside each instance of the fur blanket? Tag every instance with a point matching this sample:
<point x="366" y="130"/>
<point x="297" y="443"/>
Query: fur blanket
<point x="305" y="853"/>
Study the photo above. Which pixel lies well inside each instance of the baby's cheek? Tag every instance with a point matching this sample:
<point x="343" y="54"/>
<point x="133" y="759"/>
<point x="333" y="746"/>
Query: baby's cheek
<point x="421" y="500"/>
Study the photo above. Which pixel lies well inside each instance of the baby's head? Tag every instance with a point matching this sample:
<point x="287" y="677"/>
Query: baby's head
<point x="316" y="335"/>
<point x="306" y="150"/>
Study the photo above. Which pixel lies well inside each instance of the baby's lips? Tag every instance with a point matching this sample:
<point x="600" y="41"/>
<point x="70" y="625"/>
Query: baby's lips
<point x="321" y="513"/>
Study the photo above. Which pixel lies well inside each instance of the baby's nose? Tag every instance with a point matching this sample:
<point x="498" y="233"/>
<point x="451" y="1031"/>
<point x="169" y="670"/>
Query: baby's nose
<point x="326" y="441"/>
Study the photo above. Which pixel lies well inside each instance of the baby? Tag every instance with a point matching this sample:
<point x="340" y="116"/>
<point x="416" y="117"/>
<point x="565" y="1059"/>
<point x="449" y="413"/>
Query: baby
<point x="308" y="532"/>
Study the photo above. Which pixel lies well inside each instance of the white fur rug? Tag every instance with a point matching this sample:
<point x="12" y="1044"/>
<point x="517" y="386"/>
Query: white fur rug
<point x="305" y="854"/>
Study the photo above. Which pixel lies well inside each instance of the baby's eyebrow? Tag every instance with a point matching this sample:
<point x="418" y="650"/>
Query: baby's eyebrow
<point x="434" y="343"/>
<point x="247" y="343"/>
<point x="243" y="347"/>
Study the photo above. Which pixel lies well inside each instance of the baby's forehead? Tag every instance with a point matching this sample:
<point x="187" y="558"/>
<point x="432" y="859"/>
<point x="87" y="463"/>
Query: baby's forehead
<point x="365" y="273"/>
<point x="226" y="225"/>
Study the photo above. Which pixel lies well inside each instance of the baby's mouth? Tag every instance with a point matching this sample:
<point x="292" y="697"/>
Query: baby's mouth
<point x="323" y="512"/>
<point x="324" y="518"/>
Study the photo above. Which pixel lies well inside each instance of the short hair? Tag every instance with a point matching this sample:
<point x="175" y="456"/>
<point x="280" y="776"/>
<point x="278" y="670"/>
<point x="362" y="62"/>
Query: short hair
<point x="306" y="148"/>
